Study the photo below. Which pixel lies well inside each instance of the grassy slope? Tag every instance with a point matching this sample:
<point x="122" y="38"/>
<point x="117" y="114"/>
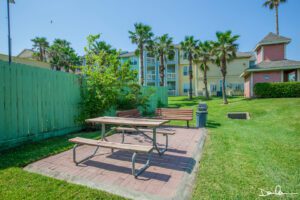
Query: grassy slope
<point x="15" y="183"/>
<point x="242" y="156"/>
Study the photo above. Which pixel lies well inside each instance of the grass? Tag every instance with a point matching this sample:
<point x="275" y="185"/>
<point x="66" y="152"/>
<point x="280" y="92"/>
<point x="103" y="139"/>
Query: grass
<point x="15" y="183"/>
<point x="241" y="156"/>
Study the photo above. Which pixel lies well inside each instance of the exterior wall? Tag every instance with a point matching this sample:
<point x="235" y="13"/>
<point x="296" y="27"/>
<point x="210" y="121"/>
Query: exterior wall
<point x="247" y="87"/>
<point x="268" y="76"/>
<point x="233" y="80"/>
<point x="259" y="55"/>
<point x="214" y="78"/>
<point x="274" y="52"/>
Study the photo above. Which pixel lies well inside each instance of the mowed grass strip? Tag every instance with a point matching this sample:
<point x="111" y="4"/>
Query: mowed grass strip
<point x="242" y="156"/>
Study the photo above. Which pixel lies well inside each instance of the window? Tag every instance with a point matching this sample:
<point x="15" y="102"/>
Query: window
<point x="290" y="76"/>
<point x="133" y="61"/>
<point x="266" y="77"/>
<point x="185" y="70"/>
<point x="186" y="87"/>
<point x="213" y="87"/>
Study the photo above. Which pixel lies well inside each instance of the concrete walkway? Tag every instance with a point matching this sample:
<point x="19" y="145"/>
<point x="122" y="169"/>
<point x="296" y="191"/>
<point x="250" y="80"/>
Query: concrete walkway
<point x="170" y="176"/>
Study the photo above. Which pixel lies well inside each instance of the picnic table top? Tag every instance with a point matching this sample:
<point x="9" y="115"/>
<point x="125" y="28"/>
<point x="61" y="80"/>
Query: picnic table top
<point x="128" y="121"/>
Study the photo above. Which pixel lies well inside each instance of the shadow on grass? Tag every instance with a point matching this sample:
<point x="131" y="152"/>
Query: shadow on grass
<point x="212" y="124"/>
<point x="32" y="151"/>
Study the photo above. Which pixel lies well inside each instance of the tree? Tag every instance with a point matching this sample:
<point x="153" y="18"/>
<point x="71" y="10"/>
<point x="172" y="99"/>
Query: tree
<point x="107" y="83"/>
<point x="62" y="55"/>
<point x="204" y="55"/>
<point x="141" y="36"/>
<point x="274" y="4"/>
<point x="95" y="46"/>
<point x="189" y="49"/>
<point x="224" y="51"/>
<point x="40" y="45"/>
<point x="163" y="49"/>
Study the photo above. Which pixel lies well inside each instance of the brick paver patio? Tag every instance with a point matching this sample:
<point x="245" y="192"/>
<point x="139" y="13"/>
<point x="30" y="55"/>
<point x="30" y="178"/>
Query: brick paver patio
<point x="170" y="176"/>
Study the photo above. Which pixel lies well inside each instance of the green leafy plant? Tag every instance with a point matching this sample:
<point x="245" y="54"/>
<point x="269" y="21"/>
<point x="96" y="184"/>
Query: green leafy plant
<point x="106" y="83"/>
<point x="277" y="90"/>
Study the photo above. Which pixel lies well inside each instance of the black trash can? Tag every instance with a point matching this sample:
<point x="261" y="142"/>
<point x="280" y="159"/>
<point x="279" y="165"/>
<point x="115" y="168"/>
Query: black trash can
<point x="201" y="118"/>
<point x="202" y="107"/>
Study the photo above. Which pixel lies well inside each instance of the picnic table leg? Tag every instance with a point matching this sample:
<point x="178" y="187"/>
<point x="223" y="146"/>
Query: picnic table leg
<point x="84" y="159"/>
<point x="103" y="132"/>
<point x="135" y="172"/>
<point x="162" y="151"/>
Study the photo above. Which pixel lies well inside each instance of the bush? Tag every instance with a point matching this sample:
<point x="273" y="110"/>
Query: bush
<point x="277" y="90"/>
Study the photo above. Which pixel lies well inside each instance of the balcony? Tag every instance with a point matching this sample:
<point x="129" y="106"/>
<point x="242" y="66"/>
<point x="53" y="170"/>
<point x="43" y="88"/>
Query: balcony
<point x="171" y="92"/>
<point x="171" y="76"/>
<point x="151" y="77"/>
<point x="150" y="61"/>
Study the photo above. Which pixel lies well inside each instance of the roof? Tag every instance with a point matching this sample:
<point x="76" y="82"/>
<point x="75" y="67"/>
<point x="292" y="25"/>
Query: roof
<point x="273" y="38"/>
<point x="244" y="54"/>
<point x="127" y="54"/>
<point x="26" y="61"/>
<point x="28" y="51"/>
<point x="273" y="65"/>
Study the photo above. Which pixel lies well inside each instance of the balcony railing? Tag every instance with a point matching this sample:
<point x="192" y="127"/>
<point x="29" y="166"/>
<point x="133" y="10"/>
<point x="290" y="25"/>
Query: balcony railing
<point x="171" y="76"/>
<point x="171" y="92"/>
<point x="150" y="61"/>
<point x="151" y="77"/>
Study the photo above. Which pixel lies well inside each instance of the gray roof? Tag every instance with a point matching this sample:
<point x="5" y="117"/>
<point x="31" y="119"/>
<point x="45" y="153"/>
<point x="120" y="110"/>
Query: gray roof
<point x="273" y="65"/>
<point x="127" y="54"/>
<point x="276" y="64"/>
<point x="244" y="54"/>
<point x="273" y="38"/>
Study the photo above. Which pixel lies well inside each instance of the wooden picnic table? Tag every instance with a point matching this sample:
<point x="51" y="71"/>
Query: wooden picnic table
<point x="136" y="123"/>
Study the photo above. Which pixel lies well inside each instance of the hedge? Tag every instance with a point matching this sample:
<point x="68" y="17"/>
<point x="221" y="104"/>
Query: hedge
<point x="277" y="90"/>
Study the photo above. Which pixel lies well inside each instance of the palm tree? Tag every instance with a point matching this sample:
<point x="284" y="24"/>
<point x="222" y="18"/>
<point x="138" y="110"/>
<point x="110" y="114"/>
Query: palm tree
<point x="224" y="51"/>
<point x="63" y="55"/>
<point x="189" y="46"/>
<point x="274" y="4"/>
<point x="204" y="55"/>
<point x="40" y="44"/>
<point x="141" y="36"/>
<point x="162" y="48"/>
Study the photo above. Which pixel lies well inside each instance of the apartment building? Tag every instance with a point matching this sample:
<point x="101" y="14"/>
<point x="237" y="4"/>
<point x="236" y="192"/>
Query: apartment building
<point x="177" y="74"/>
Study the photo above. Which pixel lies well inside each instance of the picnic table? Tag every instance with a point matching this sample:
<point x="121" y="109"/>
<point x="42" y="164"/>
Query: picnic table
<point x="138" y="124"/>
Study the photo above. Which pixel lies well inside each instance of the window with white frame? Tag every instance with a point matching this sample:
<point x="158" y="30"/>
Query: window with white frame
<point x="185" y="70"/>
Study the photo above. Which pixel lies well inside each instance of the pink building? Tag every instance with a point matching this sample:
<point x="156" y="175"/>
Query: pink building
<point x="271" y="64"/>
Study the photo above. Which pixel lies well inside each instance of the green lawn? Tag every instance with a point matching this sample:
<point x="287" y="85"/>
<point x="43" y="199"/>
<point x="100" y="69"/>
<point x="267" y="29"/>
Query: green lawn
<point x="239" y="156"/>
<point x="15" y="183"/>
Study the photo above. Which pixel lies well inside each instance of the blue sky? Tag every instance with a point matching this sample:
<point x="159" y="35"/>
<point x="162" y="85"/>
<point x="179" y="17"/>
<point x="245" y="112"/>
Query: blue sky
<point x="75" y="19"/>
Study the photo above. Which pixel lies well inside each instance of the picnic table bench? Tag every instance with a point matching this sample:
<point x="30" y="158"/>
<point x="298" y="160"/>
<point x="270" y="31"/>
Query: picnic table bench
<point x="113" y="145"/>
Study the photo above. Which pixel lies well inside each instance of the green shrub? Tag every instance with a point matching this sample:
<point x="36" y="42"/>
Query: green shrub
<point x="277" y="90"/>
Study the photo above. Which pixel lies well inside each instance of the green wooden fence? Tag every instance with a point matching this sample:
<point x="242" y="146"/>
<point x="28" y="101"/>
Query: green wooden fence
<point x="38" y="103"/>
<point x="158" y="98"/>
